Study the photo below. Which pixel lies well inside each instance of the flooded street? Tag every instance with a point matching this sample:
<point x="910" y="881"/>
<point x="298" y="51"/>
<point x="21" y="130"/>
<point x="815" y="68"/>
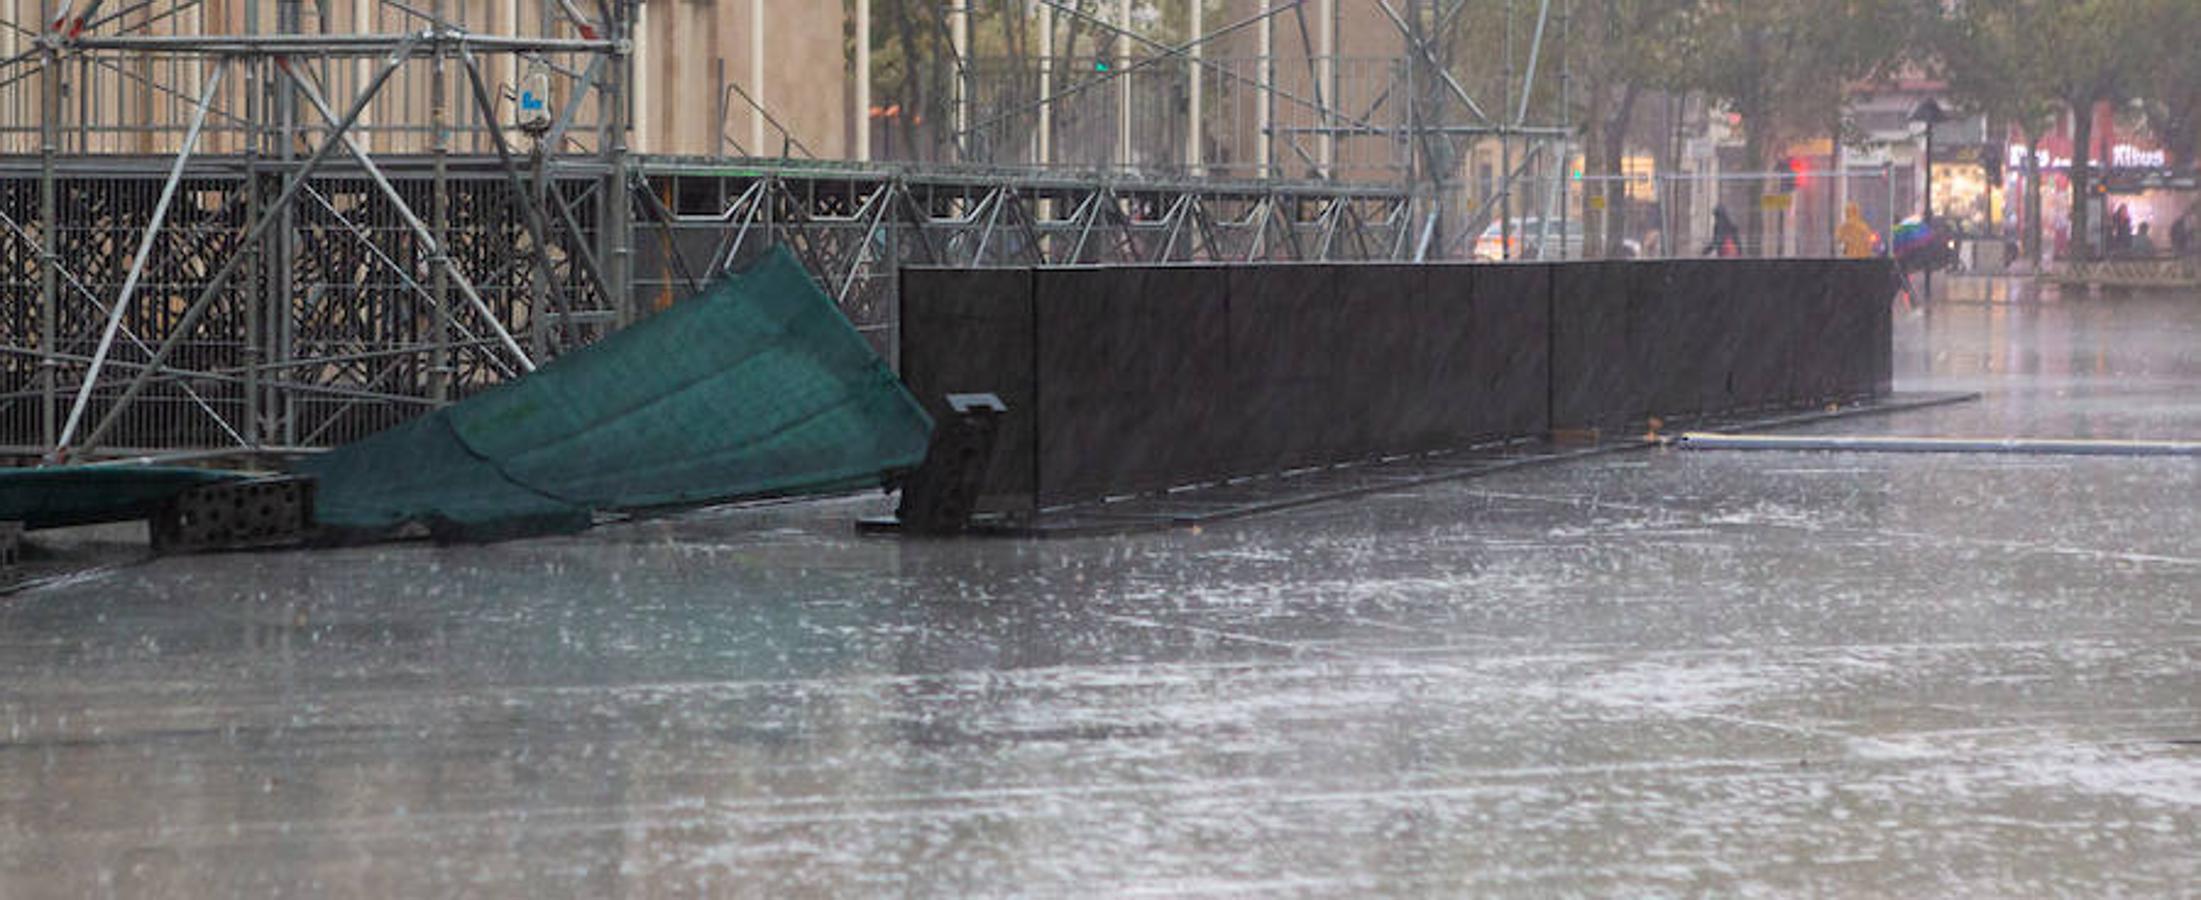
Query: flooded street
<point x="1648" y="673"/>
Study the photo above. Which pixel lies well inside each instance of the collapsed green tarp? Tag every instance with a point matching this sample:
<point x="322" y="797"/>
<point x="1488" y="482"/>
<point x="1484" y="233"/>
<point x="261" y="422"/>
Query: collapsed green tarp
<point x="755" y="387"/>
<point x="62" y="496"/>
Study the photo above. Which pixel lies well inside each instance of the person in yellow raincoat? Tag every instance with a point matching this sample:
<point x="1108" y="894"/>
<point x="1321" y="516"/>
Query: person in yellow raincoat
<point x="1855" y="237"/>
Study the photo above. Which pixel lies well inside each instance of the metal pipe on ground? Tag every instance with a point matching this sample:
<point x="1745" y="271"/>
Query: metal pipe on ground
<point x="1896" y="444"/>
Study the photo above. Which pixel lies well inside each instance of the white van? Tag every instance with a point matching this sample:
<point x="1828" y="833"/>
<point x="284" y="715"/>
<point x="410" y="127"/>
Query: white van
<point x="1527" y="238"/>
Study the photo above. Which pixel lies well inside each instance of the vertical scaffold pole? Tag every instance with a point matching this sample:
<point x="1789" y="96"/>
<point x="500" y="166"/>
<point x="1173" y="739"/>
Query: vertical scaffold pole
<point x="1123" y="84"/>
<point x="643" y="90"/>
<point x="443" y="370"/>
<point x="1417" y="133"/>
<point x="363" y="22"/>
<point x="269" y="265"/>
<point x="260" y="278"/>
<point x="49" y="255"/>
<point x="1505" y="148"/>
<point x="1195" y="102"/>
<point x="1326" y="88"/>
<point x="757" y="92"/>
<point x="1566" y="143"/>
<point x="959" y="44"/>
<point x="1045" y="152"/>
<point x="283" y="314"/>
<point x="1264" y="103"/>
<point x="509" y="65"/>
<point x="272" y="337"/>
<point x="616" y="210"/>
<point x="861" y="114"/>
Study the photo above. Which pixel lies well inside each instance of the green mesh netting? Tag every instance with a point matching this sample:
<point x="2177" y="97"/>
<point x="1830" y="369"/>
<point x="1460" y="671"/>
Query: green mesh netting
<point x="755" y="387"/>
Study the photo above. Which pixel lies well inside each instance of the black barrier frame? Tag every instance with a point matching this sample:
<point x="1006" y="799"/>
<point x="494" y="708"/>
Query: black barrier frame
<point x="1123" y="380"/>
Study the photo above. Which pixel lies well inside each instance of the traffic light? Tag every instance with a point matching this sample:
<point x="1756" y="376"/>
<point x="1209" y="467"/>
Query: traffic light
<point x="1792" y="173"/>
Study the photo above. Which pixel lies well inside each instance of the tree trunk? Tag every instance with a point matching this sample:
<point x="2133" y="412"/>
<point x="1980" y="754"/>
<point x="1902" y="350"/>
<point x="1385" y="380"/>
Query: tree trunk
<point x="913" y="80"/>
<point x="2082" y="176"/>
<point x="1075" y="27"/>
<point x="2032" y="225"/>
<point x="1593" y="163"/>
<point x="940" y="91"/>
<point x="1837" y="184"/>
<point x="1012" y="87"/>
<point x="1754" y="142"/>
<point x="1616" y="191"/>
<point x="1757" y="131"/>
<point x="2176" y="121"/>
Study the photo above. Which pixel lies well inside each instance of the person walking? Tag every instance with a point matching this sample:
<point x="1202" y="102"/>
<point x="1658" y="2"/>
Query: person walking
<point x="2181" y="235"/>
<point x="1856" y="239"/>
<point x="1726" y="238"/>
<point x="2142" y="244"/>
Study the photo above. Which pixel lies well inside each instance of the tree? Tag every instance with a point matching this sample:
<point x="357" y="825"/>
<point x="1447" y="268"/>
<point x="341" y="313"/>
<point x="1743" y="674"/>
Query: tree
<point x="1992" y="53"/>
<point x="2171" y="77"/>
<point x="1786" y="66"/>
<point x="1623" y="52"/>
<point x="905" y="66"/>
<point x="915" y="69"/>
<point x="2097" y="44"/>
<point x="1487" y="48"/>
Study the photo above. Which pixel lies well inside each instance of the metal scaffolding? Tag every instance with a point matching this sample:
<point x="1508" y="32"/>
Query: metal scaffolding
<point x="1309" y="112"/>
<point x="281" y="232"/>
<point x="276" y="282"/>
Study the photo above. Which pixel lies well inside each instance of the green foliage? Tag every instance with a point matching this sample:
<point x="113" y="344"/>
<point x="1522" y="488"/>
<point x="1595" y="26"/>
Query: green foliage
<point x="1994" y="55"/>
<point x="913" y="66"/>
<point x="1788" y="65"/>
<point x="2169" y="78"/>
<point x="2024" y="60"/>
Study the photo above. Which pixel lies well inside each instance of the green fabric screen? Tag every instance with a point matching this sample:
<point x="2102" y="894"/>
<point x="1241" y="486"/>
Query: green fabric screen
<point x="755" y="387"/>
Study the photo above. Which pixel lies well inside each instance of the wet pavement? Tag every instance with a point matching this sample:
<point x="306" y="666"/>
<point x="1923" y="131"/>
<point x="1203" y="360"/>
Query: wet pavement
<point x="1655" y="673"/>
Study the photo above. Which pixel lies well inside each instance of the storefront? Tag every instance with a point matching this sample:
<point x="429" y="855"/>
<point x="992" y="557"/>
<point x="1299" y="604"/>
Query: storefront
<point x="2130" y="172"/>
<point x="1964" y="195"/>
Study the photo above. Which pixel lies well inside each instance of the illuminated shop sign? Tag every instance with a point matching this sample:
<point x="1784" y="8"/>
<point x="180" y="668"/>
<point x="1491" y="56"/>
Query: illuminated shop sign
<point x="2126" y="156"/>
<point x="2121" y="156"/>
<point x="2047" y="160"/>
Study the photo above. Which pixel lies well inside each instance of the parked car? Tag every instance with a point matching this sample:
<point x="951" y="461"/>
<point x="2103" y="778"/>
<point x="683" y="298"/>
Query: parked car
<point x="1527" y="237"/>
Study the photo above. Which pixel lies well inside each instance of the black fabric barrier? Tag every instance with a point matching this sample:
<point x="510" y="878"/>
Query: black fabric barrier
<point x="1123" y="380"/>
<point x="1814" y="341"/>
<point x="1689" y="338"/>
<point x="1287" y="344"/>
<point x="1590" y="378"/>
<point x="1131" y="366"/>
<point x="1508" y="351"/>
<point x="970" y="332"/>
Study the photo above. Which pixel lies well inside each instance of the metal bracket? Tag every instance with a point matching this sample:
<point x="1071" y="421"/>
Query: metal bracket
<point x="940" y="496"/>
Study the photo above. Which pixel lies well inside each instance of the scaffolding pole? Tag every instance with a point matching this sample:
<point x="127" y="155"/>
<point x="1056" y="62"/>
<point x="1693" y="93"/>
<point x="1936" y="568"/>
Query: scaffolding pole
<point x="49" y="257"/>
<point x="1195" y="96"/>
<point x="861" y="75"/>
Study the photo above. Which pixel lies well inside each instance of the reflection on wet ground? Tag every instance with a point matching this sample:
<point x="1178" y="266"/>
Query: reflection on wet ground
<point x="1653" y="673"/>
